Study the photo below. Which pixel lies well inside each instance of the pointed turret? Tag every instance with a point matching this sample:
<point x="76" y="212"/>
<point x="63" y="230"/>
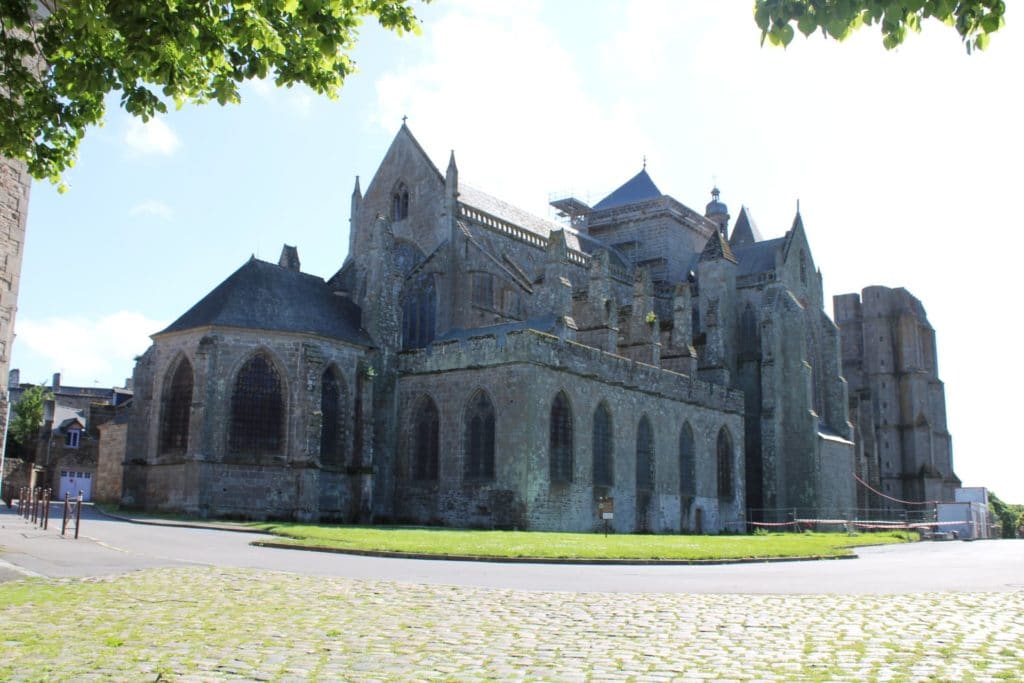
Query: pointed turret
<point x="353" y="217"/>
<point x="798" y="220"/>
<point x="745" y="232"/>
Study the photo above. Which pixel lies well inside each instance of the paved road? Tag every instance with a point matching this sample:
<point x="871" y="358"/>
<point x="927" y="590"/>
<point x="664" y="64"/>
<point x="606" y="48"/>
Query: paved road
<point x="108" y="546"/>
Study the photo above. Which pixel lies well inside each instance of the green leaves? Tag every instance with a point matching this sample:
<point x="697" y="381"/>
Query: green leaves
<point x="974" y="20"/>
<point x="55" y="70"/>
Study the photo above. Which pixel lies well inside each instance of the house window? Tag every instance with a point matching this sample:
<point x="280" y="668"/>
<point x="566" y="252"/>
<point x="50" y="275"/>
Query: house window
<point x="479" y="438"/>
<point x="604" y="469"/>
<point x="560" y="442"/>
<point x="332" y="432"/>
<point x="724" y="451"/>
<point x="71" y="439"/>
<point x="177" y="408"/>
<point x="257" y="409"/>
<point x="400" y="203"/>
<point x="426" y="447"/>
<point x="644" y="456"/>
<point x="687" y="463"/>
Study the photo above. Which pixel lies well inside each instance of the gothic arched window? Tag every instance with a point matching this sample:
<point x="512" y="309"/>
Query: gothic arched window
<point x="177" y="408"/>
<point x="426" y="441"/>
<point x="560" y="442"/>
<point x="644" y="456"/>
<point x="803" y="267"/>
<point x="400" y="203"/>
<point x="724" y="451"/>
<point x="418" y="311"/>
<point x="479" y="438"/>
<point x="604" y="463"/>
<point x="257" y="409"/>
<point x="687" y="462"/>
<point x="332" y="410"/>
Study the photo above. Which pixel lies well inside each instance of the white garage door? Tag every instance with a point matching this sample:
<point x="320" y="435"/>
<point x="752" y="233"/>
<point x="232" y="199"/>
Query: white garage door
<point x="72" y="482"/>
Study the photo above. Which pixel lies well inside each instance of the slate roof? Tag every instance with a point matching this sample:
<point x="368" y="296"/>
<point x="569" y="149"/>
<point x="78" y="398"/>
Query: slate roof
<point x="745" y="231"/>
<point x="637" y="189"/>
<point x="265" y="296"/>
<point x="758" y="257"/>
<point x="717" y="248"/>
<point x="478" y="199"/>
<point x="65" y="416"/>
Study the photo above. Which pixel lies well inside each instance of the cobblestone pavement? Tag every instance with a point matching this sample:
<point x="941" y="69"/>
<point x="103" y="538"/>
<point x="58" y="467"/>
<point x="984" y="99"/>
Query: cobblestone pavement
<point x="199" y="624"/>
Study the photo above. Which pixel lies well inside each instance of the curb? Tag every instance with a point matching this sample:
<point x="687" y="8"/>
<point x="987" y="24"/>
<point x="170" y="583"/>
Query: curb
<point x="541" y="560"/>
<point x="465" y="558"/>
<point x="184" y="525"/>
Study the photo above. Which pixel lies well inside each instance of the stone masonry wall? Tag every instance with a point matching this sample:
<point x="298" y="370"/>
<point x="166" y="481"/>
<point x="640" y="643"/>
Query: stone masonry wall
<point x="106" y="487"/>
<point x="14" y="196"/>
<point x="206" y="479"/>
<point x="522" y="374"/>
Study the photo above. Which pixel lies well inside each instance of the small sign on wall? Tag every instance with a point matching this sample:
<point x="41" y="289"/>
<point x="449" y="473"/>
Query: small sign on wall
<point x="606" y="510"/>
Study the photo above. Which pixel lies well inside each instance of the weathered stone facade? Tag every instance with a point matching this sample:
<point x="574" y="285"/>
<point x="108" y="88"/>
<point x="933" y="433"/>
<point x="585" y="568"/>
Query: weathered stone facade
<point x="473" y="365"/>
<point x="897" y="400"/>
<point x="15" y="184"/>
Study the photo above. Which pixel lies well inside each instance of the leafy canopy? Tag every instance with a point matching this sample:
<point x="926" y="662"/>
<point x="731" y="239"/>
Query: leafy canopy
<point x="27" y="414"/>
<point x="974" y="20"/>
<point x="59" y="58"/>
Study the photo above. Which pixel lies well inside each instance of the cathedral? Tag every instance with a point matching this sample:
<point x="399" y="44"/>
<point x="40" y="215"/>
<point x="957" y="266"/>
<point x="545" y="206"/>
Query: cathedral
<point x="639" y="363"/>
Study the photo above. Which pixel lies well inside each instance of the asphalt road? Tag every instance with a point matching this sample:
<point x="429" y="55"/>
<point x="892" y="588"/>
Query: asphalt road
<point x="109" y="546"/>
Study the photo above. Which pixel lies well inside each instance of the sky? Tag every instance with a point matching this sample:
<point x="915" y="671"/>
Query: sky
<point x="906" y="165"/>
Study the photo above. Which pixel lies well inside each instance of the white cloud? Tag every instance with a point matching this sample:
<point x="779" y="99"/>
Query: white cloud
<point x="86" y="351"/>
<point x="151" y="137"/>
<point x="152" y="207"/>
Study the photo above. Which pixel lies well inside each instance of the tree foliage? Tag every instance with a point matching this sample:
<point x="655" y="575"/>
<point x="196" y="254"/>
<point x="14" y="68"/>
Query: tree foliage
<point x="60" y="58"/>
<point x="1008" y="515"/>
<point x="27" y="415"/>
<point x="974" y="20"/>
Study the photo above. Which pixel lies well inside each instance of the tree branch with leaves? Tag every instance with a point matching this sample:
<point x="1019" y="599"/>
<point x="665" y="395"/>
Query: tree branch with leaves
<point x="60" y="58"/>
<point x="974" y="20"/>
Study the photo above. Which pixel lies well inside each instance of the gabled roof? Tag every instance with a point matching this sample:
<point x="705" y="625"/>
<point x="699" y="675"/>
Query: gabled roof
<point x="637" y="189"/>
<point x="264" y="296"/>
<point x="717" y="248"/>
<point x="758" y="257"/>
<point x="745" y="231"/>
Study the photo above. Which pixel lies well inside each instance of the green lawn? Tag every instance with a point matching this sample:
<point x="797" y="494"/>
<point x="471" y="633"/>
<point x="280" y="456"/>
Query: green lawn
<point x="442" y="542"/>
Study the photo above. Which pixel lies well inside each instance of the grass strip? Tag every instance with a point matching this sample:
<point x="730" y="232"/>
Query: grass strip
<point x="442" y="542"/>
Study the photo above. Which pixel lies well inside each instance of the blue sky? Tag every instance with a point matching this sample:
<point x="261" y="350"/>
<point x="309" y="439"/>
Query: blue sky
<point x="906" y="165"/>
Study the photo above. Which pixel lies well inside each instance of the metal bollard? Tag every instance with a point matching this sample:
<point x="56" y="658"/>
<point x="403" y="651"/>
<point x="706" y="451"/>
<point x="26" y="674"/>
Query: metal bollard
<point x="78" y="514"/>
<point x="64" y="524"/>
<point x="46" y="510"/>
